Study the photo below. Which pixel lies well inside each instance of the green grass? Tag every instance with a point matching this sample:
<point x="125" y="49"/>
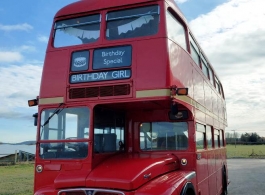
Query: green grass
<point x="244" y="151"/>
<point x="16" y="179"/>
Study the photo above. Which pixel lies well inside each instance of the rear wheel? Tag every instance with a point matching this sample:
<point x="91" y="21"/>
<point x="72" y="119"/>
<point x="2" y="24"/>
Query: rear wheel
<point x="224" y="189"/>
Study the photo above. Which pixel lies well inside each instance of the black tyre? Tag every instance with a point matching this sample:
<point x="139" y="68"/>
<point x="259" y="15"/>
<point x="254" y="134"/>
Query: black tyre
<point x="224" y="181"/>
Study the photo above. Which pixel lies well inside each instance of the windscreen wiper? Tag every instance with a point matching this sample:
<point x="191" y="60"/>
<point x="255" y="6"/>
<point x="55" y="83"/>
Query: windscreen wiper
<point x="56" y="111"/>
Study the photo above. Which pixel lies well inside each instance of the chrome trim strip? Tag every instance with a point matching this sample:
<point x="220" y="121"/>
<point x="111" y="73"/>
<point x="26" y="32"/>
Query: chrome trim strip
<point x="190" y="175"/>
<point x="94" y="191"/>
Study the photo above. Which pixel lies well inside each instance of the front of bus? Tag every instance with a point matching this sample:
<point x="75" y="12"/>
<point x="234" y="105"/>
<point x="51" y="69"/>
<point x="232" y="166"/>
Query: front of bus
<point x="104" y="104"/>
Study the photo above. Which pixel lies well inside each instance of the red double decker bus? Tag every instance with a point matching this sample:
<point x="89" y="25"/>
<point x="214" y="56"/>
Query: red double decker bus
<point x="128" y="104"/>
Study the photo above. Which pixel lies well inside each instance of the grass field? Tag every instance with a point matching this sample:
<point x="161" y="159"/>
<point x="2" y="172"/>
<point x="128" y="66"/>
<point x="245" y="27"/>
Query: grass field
<point x="244" y="151"/>
<point x="18" y="179"/>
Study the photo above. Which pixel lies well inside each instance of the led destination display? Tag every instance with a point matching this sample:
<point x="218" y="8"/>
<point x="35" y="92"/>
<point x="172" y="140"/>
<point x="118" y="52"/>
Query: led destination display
<point x="100" y="76"/>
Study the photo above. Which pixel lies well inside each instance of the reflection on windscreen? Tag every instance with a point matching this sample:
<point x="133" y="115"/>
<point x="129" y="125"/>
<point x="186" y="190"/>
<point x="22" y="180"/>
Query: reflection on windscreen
<point x="77" y="31"/>
<point x="71" y="124"/>
<point x="130" y="23"/>
<point x="164" y="136"/>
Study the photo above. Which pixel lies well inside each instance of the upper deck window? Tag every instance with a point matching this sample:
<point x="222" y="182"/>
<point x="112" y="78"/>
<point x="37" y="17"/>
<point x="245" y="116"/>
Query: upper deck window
<point x="205" y="69"/>
<point x="211" y="76"/>
<point x="132" y="23"/>
<point x="176" y="30"/>
<point x="77" y="31"/>
<point x="195" y="52"/>
<point x="218" y="85"/>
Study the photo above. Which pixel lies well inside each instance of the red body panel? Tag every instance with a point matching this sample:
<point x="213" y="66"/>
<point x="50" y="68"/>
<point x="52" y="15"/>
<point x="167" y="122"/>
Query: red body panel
<point x="130" y="171"/>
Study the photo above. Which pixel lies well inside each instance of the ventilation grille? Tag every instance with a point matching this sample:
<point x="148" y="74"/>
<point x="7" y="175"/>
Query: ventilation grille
<point x="103" y="91"/>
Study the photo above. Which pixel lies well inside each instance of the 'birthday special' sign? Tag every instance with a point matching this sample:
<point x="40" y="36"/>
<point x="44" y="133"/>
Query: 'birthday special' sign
<point x="112" y="57"/>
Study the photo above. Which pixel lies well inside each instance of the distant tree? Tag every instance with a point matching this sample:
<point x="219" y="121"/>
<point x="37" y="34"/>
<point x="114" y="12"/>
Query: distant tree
<point x="245" y="137"/>
<point x="253" y="137"/>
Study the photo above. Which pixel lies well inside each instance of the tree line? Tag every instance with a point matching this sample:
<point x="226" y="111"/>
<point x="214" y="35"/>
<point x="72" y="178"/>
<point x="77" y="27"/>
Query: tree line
<point x="246" y="138"/>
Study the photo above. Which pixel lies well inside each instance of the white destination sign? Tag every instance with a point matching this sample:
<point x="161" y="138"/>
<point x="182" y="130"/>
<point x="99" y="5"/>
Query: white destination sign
<point x="100" y="76"/>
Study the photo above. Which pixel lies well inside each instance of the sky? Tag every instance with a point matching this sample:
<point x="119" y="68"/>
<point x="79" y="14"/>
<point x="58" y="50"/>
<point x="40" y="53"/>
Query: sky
<point x="231" y="33"/>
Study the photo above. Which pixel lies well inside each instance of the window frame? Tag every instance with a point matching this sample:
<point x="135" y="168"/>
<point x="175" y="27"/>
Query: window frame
<point x="194" y="50"/>
<point x="181" y="24"/>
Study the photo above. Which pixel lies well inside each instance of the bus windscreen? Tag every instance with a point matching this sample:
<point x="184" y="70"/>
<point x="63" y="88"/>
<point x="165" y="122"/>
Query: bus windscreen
<point x="77" y="31"/>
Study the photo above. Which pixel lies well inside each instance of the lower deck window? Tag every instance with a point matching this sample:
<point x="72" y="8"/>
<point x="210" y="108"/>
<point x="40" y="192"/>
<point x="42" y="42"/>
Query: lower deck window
<point x="164" y="136"/>
<point x="200" y="137"/>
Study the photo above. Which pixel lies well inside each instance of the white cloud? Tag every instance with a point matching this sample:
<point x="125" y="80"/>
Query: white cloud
<point x="180" y="1"/>
<point x="17" y="85"/>
<point x="42" y="38"/>
<point x="233" y="32"/>
<point x="21" y="27"/>
<point x="15" y="54"/>
<point x="10" y="56"/>
<point x="233" y="37"/>
<point x="27" y="48"/>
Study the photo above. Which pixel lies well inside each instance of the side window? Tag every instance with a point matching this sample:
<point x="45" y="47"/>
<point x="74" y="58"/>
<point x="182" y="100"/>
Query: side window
<point x="205" y="69"/>
<point x="163" y="136"/>
<point x="221" y="90"/>
<point x="209" y="137"/>
<point x="221" y="138"/>
<point x="216" y="138"/>
<point x="211" y="76"/>
<point x="195" y="52"/>
<point x="218" y="86"/>
<point x="175" y="30"/>
<point x="200" y="137"/>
